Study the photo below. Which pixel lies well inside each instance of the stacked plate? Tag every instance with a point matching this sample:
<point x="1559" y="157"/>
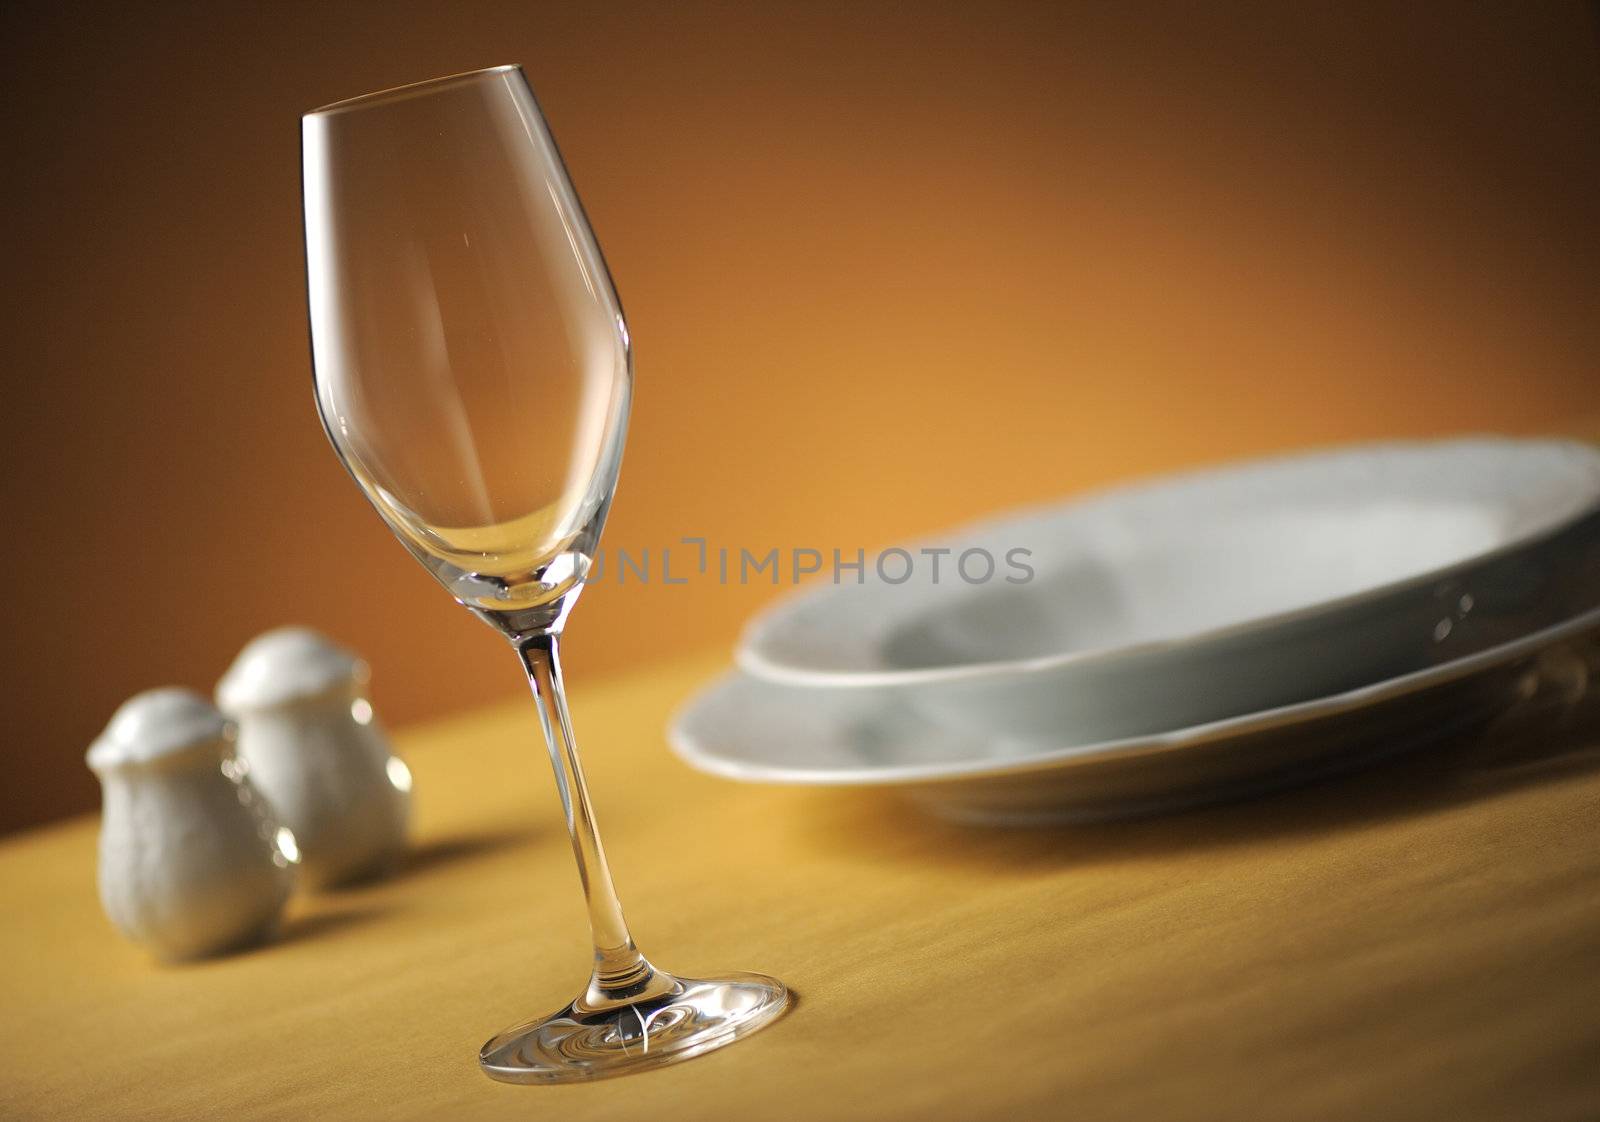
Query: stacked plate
<point x="1196" y="637"/>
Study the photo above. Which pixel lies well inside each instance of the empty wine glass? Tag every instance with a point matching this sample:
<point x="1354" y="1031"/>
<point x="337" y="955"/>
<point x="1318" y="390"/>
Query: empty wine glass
<point x="473" y="371"/>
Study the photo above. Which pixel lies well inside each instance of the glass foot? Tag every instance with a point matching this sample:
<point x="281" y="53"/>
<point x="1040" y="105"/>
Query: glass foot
<point x="692" y="1017"/>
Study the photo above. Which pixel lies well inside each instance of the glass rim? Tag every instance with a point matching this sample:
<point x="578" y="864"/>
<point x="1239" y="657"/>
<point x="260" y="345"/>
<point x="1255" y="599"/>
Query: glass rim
<point x="410" y="89"/>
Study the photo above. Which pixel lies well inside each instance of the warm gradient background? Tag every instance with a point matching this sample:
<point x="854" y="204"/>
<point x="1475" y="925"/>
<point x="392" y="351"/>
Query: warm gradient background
<point x="887" y="266"/>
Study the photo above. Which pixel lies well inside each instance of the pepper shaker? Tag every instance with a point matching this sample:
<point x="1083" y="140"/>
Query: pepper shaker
<point x="191" y="861"/>
<point x="315" y="751"/>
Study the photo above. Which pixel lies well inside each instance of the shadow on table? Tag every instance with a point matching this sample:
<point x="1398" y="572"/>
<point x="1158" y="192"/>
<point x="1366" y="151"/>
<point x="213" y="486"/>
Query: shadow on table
<point x="325" y="921"/>
<point x="335" y="909"/>
<point x="1553" y="742"/>
<point x="441" y="852"/>
<point x="328" y="912"/>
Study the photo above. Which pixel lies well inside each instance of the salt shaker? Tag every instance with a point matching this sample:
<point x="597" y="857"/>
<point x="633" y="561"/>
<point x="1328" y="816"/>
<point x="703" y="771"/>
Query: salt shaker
<point x="191" y="861"/>
<point x="307" y="731"/>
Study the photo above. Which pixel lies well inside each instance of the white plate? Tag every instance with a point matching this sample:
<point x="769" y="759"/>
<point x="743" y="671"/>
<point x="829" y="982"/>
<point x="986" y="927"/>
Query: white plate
<point x="745" y="729"/>
<point x="1196" y="598"/>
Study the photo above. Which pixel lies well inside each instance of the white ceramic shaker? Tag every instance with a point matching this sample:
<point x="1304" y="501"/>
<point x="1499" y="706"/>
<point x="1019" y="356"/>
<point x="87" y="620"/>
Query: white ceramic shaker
<point x="191" y="861"/>
<point x="314" y="750"/>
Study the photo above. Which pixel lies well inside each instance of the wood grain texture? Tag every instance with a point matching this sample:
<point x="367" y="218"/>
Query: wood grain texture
<point x="1419" y="941"/>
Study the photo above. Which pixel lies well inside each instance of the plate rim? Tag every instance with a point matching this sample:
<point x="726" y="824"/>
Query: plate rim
<point x="751" y="660"/>
<point x="1192" y="736"/>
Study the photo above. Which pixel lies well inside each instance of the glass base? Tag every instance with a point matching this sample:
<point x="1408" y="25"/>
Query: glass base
<point x="694" y="1016"/>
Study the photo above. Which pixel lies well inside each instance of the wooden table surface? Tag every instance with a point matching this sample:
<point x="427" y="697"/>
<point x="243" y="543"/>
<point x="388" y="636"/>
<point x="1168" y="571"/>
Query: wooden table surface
<point x="1419" y="941"/>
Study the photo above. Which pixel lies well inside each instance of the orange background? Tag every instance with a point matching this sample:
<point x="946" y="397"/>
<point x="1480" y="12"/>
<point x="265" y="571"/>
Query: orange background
<point x="887" y="266"/>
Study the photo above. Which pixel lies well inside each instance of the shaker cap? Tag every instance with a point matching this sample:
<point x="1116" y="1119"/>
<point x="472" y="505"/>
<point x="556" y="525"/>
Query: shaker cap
<point x="286" y="665"/>
<point x="155" y="725"/>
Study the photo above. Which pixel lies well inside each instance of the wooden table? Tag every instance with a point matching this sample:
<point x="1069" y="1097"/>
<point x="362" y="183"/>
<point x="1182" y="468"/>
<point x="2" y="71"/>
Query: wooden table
<point x="1420" y="941"/>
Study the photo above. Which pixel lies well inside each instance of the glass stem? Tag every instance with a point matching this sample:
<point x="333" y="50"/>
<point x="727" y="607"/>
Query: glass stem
<point x="622" y="975"/>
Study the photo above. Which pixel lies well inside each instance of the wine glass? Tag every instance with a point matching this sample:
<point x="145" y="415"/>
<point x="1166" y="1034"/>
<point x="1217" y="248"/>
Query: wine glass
<point x="473" y="371"/>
